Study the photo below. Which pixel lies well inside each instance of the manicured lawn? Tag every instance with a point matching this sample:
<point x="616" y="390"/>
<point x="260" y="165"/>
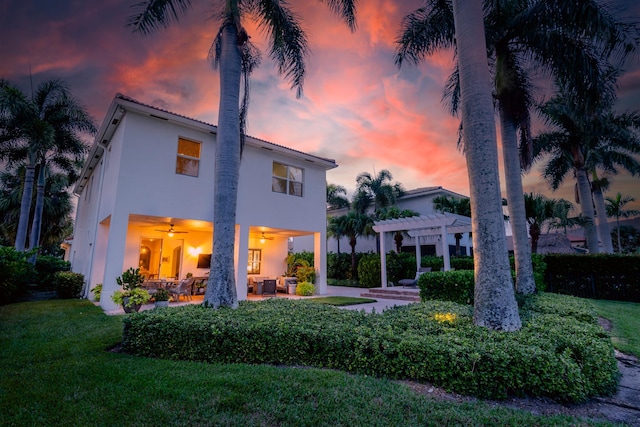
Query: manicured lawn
<point x="342" y="301"/>
<point x="625" y="317"/>
<point x="56" y="371"/>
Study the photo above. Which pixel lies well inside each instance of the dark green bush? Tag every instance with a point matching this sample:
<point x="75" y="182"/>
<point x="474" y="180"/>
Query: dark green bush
<point x="68" y="284"/>
<point x="462" y="263"/>
<point x="612" y="277"/>
<point x="400" y="266"/>
<point x="305" y="255"/>
<point x="47" y="266"/>
<point x="369" y="271"/>
<point x="455" y="286"/>
<point x="338" y="266"/>
<point x="435" y="262"/>
<point x="15" y="273"/>
<point x="560" y="352"/>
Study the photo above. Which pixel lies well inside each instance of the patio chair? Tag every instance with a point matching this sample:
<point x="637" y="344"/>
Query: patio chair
<point x="269" y="287"/>
<point x="412" y="283"/>
<point x="183" y="288"/>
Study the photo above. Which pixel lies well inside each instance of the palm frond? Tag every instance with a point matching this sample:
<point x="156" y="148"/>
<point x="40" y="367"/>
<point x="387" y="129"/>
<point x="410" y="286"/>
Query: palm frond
<point x="344" y="9"/>
<point x="153" y="15"/>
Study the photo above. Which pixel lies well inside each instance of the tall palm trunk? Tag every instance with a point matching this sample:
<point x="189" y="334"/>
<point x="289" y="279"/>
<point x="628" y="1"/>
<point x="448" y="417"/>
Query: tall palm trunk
<point x="221" y="289"/>
<point x="25" y="203"/>
<point x="36" y="225"/>
<point x="495" y="306"/>
<point x="586" y="203"/>
<point x="604" y="232"/>
<point x="618" y="233"/>
<point x="354" y="265"/>
<point x="534" y="230"/>
<point x="525" y="283"/>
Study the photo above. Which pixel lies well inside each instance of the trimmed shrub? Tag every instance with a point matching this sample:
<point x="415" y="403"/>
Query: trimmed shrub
<point x="560" y="352"/>
<point x="455" y="286"/>
<point x="400" y="266"/>
<point x="369" y="271"/>
<point x="305" y="289"/>
<point x="47" y="266"/>
<point x="462" y="263"/>
<point x="15" y="273"/>
<point x="68" y="284"/>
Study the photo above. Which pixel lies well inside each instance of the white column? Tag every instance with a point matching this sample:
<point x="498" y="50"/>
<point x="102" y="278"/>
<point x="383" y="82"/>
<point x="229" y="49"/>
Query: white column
<point x="445" y="248"/>
<point x="383" y="259"/>
<point x="241" y="258"/>
<point x="114" y="259"/>
<point x="418" y="253"/>
<point x="320" y="262"/>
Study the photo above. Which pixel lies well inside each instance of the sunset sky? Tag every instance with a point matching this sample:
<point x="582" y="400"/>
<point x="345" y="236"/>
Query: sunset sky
<point x="357" y="107"/>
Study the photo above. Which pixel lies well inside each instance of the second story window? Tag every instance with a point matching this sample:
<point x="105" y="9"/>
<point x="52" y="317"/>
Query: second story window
<point x="188" y="159"/>
<point x="287" y="179"/>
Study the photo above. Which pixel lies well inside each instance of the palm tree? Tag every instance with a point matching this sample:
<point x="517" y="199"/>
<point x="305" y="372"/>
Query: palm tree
<point x="583" y="143"/>
<point x="495" y="306"/>
<point x="45" y="133"/>
<point x="561" y="219"/>
<point x="394" y="213"/>
<point x="231" y="50"/>
<point x="540" y="210"/>
<point x="456" y="206"/>
<point x="377" y="190"/>
<point x="615" y="208"/>
<point x="336" y="197"/>
<point x="336" y="227"/>
<point x="356" y="224"/>
<point x="57" y="213"/>
<point x="559" y="37"/>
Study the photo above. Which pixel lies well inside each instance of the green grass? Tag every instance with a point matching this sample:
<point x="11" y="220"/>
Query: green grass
<point x="625" y="317"/>
<point x="342" y="301"/>
<point x="56" y="371"/>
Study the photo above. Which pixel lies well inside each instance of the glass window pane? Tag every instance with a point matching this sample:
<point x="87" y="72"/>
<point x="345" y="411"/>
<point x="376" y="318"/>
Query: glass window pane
<point x="279" y="170"/>
<point x="295" y="189"/>
<point x="279" y="185"/>
<point x="186" y="166"/>
<point x="188" y="148"/>
<point x="295" y="174"/>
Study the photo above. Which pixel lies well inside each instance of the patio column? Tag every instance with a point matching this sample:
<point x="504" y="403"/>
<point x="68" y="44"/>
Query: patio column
<point x="320" y="262"/>
<point x="418" y="253"/>
<point x="383" y="260"/>
<point x="242" y="258"/>
<point x="445" y="248"/>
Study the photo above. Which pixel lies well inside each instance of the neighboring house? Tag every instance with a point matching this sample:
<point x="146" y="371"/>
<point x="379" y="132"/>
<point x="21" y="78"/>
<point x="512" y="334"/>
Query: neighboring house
<point x="146" y="200"/>
<point x="419" y="200"/>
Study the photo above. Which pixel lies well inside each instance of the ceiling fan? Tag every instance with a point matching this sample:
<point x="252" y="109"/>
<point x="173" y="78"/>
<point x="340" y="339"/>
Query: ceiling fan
<point x="171" y="231"/>
<point x="263" y="237"/>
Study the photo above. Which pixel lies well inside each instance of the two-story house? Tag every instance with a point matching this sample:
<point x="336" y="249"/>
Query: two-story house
<point x="146" y="200"/>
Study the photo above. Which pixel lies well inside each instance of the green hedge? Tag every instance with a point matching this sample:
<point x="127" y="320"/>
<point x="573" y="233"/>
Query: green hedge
<point x="611" y="277"/>
<point x="369" y="271"/>
<point x="560" y="353"/>
<point x="455" y="286"/>
<point x="68" y="284"/>
<point x="47" y="266"/>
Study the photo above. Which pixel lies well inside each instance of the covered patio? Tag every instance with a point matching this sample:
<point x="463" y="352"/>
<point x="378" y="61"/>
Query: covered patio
<point x="433" y="228"/>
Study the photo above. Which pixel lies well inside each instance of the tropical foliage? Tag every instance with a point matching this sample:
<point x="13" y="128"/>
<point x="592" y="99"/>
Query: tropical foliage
<point x="615" y="208"/>
<point x="44" y="134"/>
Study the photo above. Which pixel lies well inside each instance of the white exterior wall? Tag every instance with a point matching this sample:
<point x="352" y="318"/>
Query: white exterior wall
<point x="140" y="179"/>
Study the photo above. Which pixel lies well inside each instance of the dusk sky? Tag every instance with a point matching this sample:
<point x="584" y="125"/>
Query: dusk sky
<point x="357" y="107"/>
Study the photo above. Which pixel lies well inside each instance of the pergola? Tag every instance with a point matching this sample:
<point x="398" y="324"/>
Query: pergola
<point x="433" y="227"/>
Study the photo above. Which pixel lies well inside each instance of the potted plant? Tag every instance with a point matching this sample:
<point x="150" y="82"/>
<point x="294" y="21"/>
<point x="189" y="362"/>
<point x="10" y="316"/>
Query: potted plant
<point x="161" y="297"/>
<point x="132" y="296"/>
<point x="305" y="289"/>
<point x="97" y="292"/>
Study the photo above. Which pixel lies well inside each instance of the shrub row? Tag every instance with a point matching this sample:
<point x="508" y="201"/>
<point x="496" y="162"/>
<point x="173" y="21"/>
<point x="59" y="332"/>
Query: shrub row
<point x="561" y="352"/>
<point x="455" y="286"/>
<point x="614" y="277"/>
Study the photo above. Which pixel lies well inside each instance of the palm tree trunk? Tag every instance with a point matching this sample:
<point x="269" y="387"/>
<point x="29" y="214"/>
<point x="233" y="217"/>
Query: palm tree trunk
<point x="36" y="225"/>
<point x="525" y="283"/>
<point x="618" y="228"/>
<point x="584" y="192"/>
<point x="354" y="267"/>
<point x="535" y="236"/>
<point x="221" y="289"/>
<point x="495" y="306"/>
<point x="604" y="232"/>
<point x="25" y="204"/>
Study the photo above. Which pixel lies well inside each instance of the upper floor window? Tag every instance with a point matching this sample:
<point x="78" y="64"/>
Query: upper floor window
<point x="188" y="159"/>
<point x="287" y="179"/>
